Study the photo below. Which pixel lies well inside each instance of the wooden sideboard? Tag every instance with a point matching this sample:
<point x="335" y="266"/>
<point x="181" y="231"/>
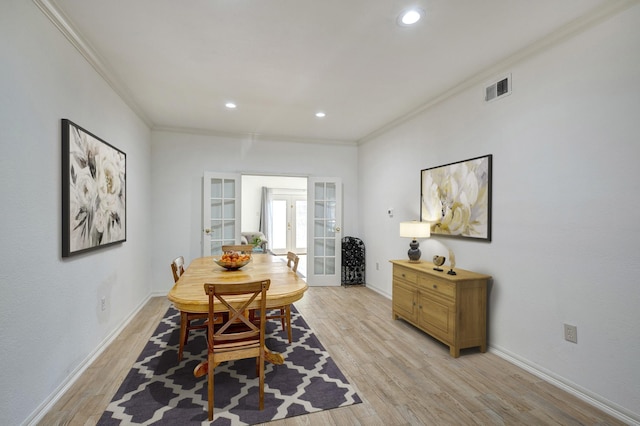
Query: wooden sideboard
<point x="451" y="308"/>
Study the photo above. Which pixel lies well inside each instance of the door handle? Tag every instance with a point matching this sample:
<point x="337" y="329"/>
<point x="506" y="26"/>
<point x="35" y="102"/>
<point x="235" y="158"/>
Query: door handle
<point x="207" y="231"/>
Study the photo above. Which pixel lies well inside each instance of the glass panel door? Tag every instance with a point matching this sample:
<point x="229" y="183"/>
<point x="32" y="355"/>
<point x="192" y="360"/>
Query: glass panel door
<point x="299" y="232"/>
<point x="279" y="226"/>
<point x="289" y="223"/>
<point x="221" y="212"/>
<point x="325" y="216"/>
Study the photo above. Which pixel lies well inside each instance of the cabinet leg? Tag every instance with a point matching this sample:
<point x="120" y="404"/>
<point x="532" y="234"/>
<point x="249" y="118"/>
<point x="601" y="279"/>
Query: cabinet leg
<point x="454" y="351"/>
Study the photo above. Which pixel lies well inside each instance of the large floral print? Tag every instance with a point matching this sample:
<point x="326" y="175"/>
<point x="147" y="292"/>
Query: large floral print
<point x="456" y="198"/>
<point x="96" y="191"/>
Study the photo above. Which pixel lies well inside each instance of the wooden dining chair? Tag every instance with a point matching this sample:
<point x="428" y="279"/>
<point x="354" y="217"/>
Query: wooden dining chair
<point x="186" y="318"/>
<point x="292" y="261"/>
<point x="284" y="314"/>
<point x="240" y="336"/>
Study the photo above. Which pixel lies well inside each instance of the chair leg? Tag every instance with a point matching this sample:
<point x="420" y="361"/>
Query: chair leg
<point x="261" y="375"/>
<point x="210" y="368"/>
<point x="288" y="318"/>
<point x="183" y="334"/>
<point x="282" y="318"/>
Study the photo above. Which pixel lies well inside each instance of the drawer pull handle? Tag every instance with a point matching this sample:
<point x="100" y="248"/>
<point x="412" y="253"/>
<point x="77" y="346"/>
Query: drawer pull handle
<point x="435" y="286"/>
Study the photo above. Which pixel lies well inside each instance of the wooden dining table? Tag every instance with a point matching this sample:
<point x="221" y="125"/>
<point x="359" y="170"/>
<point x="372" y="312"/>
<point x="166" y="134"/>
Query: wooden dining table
<point x="286" y="286"/>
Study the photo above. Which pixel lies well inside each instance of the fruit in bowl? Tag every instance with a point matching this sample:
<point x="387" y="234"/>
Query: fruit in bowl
<point x="233" y="260"/>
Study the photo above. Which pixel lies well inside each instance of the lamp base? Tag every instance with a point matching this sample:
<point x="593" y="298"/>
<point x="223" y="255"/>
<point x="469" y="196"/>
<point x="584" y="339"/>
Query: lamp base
<point x="414" y="252"/>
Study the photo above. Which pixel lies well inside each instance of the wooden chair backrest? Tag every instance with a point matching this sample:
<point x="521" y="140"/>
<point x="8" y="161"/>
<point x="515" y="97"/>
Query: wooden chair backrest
<point x="247" y="248"/>
<point x="292" y="261"/>
<point x="177" y="267"/>
<point x="238" y="326"/>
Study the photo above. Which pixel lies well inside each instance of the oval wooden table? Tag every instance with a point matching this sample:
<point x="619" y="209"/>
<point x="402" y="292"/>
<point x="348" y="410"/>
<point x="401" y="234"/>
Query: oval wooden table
<point x="286" y="286"/>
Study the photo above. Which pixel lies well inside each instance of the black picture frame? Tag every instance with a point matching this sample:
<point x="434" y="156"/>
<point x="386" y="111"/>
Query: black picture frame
<point x="94" y="181"/>
<point x="456" y="198"/>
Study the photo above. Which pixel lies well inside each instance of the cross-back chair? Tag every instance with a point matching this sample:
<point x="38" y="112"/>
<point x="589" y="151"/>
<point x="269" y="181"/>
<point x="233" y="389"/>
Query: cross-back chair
<point x="239" y="336"/>
<point x="285" y="311"/>
<point x="186" y="318"/>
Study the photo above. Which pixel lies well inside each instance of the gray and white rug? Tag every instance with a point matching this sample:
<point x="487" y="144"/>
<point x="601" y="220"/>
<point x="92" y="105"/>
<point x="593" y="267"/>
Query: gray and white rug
<point x="160" y="391"/>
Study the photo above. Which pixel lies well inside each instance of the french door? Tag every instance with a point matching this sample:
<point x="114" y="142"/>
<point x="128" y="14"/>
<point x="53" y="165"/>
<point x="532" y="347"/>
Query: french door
<point x="288" y="222"/>
<point x="324" y="252"/>
<point x="220" y="211"/>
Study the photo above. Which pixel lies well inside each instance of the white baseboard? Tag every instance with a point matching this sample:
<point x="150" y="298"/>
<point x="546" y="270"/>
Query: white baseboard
<point x="590" y="398"/>
<point x="48" y="403"/>
<point x="380" y="292"/>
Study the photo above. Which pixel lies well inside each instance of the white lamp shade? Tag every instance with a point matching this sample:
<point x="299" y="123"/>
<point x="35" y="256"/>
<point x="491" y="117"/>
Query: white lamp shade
<point x="415" y="229"/>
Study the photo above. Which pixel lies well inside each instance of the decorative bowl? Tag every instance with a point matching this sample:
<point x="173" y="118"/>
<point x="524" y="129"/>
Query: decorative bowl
<point x="233" y="260"/>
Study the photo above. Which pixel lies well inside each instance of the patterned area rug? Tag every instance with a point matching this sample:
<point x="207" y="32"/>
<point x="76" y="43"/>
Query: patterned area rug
<point x="160" y="391"/>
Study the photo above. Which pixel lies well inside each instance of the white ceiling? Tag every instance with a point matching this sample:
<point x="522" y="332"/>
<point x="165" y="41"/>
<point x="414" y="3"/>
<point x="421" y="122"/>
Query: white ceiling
<point x="177" y="62"/>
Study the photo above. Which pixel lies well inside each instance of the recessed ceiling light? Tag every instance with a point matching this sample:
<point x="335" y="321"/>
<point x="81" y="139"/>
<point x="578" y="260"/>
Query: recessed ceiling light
<point x="410" y="16"/>
<point x="320" y="114"/>
<point x="230" y="105"/>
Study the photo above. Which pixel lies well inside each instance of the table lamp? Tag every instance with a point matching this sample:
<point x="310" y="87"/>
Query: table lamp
<point x="414" y="230"/>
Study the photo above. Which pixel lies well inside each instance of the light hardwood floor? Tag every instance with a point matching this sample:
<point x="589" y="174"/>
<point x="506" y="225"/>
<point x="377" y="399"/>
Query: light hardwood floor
<point x="403" y="376"/>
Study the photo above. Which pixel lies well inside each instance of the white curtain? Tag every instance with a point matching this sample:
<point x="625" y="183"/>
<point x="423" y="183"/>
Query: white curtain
<point x="266" y="216"/>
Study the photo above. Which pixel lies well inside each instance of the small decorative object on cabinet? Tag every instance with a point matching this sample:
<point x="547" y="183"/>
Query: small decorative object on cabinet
<point x="438" y="261"/>
<point x="450" y="308"/>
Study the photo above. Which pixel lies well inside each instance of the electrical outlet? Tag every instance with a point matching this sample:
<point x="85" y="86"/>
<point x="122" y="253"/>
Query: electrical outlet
<point x="571" y="333"/>
<point x="103" y="303"/>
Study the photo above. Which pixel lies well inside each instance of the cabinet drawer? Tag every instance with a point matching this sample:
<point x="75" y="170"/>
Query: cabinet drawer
<point x="441" y="288"/>
<point x="405" y="274"/>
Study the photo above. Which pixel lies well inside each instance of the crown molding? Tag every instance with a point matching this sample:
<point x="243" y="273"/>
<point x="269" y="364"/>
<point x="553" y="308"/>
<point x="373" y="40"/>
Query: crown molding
<point x="253" y="136"/>
<point x="62" y="22"/>
<point x="579" y="25"/>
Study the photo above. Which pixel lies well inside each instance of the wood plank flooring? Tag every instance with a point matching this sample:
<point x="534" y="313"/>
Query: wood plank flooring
<point x="403" y="376"/>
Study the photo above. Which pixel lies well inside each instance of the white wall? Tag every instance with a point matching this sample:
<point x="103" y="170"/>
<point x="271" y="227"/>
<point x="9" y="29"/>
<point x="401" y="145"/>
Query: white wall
<point x="50" y="316"/>
<point x="179" y="161"/>
<point x="565" y="206"/>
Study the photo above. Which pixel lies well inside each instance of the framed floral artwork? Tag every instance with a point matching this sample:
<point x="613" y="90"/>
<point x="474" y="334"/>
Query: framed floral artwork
<point x="94" y="202"/>
<point x="456" y="198"/>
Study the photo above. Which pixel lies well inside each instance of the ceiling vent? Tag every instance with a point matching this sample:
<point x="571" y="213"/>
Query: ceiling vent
<point x="497" y="90"/>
